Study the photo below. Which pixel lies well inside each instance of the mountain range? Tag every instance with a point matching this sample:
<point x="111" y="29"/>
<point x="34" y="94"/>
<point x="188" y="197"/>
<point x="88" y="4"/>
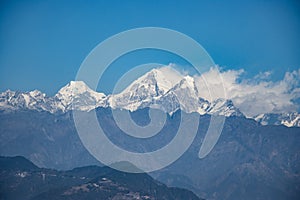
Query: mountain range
<point x="254" y="158"/>
<point x="168" y="92"/>
<point x="249" y="161"/>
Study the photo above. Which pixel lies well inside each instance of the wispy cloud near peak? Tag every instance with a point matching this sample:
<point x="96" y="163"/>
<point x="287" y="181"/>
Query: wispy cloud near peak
<point x="253" y="96"/>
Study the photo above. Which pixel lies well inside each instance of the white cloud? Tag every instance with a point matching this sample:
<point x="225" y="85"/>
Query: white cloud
<point x="263" y="76"/>
<point x="252" y="96"/>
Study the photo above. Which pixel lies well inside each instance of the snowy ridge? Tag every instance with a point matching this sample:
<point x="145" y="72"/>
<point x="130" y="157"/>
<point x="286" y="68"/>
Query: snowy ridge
<point x="159" y="88"/>
<point x="75" y="95"/>
<point x="286" y="119"/>
<point x="34" y="100"/>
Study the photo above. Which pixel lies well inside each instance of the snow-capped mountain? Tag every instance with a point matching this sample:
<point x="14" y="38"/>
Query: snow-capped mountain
<point x="186" y="96"/>
<point x="224" y="107"/>
<point x="287" y="119"/>
<point x="159" y="88"/>
<point x="169" y="92"/>
<point x="78" y="96"/>
<point x="145" y="91"/>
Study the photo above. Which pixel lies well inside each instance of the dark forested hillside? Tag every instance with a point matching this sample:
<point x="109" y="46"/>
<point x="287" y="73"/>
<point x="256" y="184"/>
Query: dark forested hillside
<point x="20" y="179"/>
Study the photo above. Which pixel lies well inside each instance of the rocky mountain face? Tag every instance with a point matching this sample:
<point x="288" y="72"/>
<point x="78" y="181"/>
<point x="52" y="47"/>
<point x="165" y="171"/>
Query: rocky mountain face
<point x="20" y="179"/>
<point x="168" y="92"/>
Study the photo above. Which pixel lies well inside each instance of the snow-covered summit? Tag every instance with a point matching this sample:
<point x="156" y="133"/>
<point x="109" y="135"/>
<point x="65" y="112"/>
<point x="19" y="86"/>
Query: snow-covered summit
<point x="77" y="95"/>
<point x="224" y="107"/>
<point x="158" y="81"/>
<point x="287" y="119"/>
<point x="145" y="90"/>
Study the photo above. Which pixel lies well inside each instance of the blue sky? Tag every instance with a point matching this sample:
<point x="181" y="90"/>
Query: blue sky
<point x="43" y="43"/>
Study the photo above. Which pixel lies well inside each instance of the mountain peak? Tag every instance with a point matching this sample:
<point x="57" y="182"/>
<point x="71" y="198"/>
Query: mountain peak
<point x="163" y="78"/>
<point x="286" y="119"/>
<point x="189" y="79"/>
<point x="224" y="107"/>
<point x="75" y="87"/>
<point x="77" y="95"/>
<point x="36" y="93"/>
<point x="188" y="82"/>
<point x="144" y="91"/>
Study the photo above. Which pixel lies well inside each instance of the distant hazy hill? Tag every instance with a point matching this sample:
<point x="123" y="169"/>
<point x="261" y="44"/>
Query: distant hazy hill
<point x="20" y="179"/>
<point x="250" y="161"/>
